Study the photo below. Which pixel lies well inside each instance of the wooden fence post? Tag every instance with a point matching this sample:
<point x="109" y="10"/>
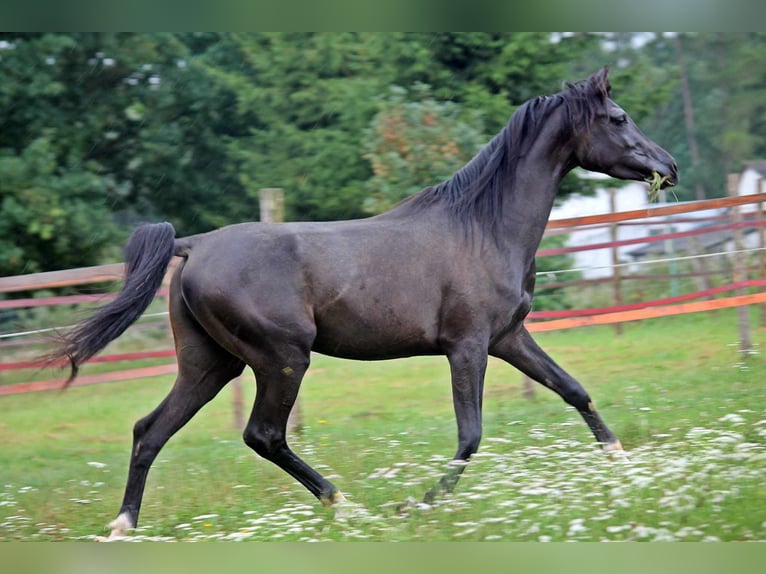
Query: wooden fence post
<point x="739" y="268"/>
<point x="670" y="251"/>
<point x="272" y="206"/>
<point x="699" y="265"/>
<point x="271" y="202"/>
<point x="762" y="252"/>
<point x="616" y="269"/>
<point x="529" y="387"/>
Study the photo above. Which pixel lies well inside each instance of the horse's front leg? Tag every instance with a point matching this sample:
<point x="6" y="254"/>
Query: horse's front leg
<point x="520" y="350"/>
<point x="468" y="363"/>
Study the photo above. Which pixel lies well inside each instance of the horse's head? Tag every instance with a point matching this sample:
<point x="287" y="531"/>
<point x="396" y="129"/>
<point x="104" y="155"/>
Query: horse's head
<point x="611" y="143"/>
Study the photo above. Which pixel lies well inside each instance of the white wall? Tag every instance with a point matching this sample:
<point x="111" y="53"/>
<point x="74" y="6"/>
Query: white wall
<point x="749" y="182"/>
<point x="633" y="196"/>
<point x="628" y="197"/>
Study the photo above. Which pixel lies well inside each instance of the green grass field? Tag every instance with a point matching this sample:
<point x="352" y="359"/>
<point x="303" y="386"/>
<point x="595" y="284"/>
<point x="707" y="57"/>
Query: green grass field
<point x="689" y="410"/>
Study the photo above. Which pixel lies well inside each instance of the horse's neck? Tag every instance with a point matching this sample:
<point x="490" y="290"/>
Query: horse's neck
<point x="526" y="210"/>
<point x="527" y="205"/>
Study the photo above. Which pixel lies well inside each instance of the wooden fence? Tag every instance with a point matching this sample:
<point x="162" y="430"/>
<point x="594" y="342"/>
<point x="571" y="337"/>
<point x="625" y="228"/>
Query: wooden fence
<point x="649" y="309"/>
<point x="733" y="294"/>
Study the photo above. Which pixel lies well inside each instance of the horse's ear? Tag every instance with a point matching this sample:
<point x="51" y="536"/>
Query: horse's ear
<point x="600" y="82"/>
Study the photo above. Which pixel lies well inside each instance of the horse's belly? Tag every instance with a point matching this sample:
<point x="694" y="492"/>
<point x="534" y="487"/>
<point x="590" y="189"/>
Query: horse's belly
<point x="375" y="334"/>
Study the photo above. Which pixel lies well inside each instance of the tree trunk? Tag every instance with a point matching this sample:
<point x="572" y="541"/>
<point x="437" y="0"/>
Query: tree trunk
<point x="739" y="264"/>
<point x="691" y="138"/>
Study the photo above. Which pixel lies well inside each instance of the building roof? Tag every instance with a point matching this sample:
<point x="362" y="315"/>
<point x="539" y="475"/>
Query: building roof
<point x="758" y="165"/>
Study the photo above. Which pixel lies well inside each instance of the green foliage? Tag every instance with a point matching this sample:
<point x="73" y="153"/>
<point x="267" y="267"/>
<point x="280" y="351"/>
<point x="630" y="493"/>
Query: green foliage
<point x="102" y="130"/>
<point x="74" y="107"/>
<point x="412" y="144"/>
<point x="311" y="102"/>
<point x="53" y="217"/>
<point x="306" y="99"/>
<point x="726" y="84"/>
<point x="131" y="111"/>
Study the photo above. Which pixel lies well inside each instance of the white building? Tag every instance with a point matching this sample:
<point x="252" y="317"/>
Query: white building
<point x="751" y="181"/>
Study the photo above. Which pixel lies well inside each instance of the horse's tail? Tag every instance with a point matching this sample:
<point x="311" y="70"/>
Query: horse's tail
<point x="147" y="255"/>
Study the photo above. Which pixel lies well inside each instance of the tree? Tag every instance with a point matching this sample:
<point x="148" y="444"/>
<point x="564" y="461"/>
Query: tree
<point x="412" y="144"/>
<point x="55" y="212"/>
<point x="53" y="217"/>
<point x="305" y="99"/>
<point x="133" y="119"/>
<point x="721" y="88"/>
<point x="188" y="127"/>
<point x="309" y="99"/>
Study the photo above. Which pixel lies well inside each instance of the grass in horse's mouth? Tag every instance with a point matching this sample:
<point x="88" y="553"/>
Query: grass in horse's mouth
<point x="655" y="184"/>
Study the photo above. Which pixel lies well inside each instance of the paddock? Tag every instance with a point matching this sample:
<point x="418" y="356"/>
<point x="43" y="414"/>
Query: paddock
<point x="689" y="407"/>
<point x="692" y="418"/>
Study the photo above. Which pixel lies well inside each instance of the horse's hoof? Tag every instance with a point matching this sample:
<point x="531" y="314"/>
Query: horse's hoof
<point x="347" y="510"/>
<point x="404" y="508"/>
<point x="119" y="526"/>
<point x="614" y="446"/>
<point x="615" y="451"/>
<point x="111" y="538"/>
<point x="333" y="499"/>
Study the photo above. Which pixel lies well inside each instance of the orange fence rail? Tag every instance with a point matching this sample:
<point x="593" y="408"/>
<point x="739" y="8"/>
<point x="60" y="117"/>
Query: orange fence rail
<point x="648" y="313"/>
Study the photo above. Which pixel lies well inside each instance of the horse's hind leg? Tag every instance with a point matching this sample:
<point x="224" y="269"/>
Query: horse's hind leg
<point x="520" y="350"/>
<point x="204" y="368"/>
<point x="278" y="378"/>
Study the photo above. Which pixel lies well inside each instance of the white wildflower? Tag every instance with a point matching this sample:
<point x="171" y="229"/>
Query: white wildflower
<point x="732" y="418"/>
<point x="577" y="526"/>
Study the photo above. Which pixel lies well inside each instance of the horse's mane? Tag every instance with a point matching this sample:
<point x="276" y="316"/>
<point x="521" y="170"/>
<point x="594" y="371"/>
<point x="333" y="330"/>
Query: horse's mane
<point x="474" y="194"/>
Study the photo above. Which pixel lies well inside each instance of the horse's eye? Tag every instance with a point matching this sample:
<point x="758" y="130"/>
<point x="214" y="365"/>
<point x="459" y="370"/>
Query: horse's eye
<point x="620" y="119"/>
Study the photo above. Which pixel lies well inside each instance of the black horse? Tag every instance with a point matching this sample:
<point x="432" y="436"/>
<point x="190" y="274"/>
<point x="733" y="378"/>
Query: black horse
<point x="449" y="271"/>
